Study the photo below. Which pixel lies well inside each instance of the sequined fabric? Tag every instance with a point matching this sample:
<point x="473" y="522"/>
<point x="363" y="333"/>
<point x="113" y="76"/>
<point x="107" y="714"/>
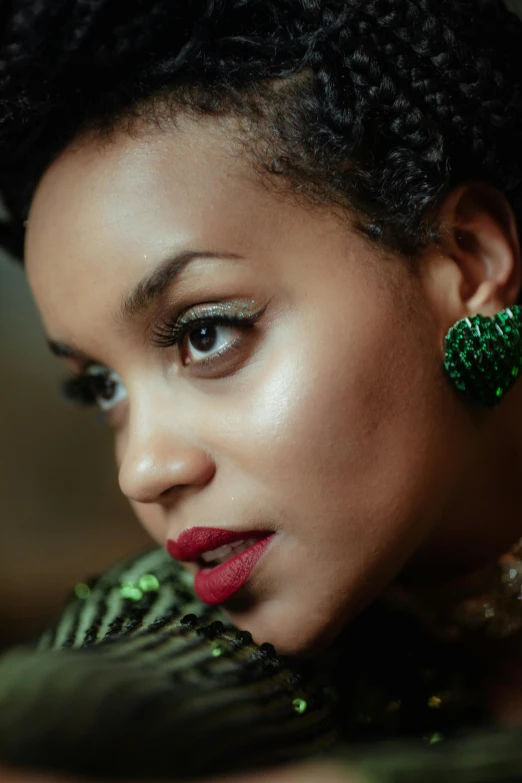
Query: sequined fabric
<point x="138" y="678"/>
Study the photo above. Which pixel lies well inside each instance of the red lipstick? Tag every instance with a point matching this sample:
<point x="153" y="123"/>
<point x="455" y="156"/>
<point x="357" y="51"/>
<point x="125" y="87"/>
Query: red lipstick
<point x="192" y="543"/>
<point x="216" y="585"/>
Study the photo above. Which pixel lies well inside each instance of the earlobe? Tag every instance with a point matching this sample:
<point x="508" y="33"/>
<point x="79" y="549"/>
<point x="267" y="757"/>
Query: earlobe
<point x="479" y="232"/>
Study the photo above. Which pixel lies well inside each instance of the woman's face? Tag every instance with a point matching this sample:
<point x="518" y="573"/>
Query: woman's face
<point x="315" y="414"/>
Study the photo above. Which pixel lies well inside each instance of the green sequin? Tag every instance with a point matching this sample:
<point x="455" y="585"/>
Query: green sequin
<point x="300" y="705"/>
<point x="148" y="583"/>
<point x="131" y="591"/>
<point x="82" y="591"/>
<point x="217" y="651"/>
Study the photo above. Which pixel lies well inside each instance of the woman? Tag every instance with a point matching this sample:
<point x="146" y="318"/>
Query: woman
<point x="277" y="245"/>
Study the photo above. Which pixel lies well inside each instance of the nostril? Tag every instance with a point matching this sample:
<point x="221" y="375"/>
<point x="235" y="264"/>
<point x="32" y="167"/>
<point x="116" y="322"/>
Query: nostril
<point x="174" y="488"/>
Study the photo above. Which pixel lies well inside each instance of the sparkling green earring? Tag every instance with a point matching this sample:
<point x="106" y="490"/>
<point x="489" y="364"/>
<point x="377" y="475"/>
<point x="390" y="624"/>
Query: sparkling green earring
<point x="483" y="355"/>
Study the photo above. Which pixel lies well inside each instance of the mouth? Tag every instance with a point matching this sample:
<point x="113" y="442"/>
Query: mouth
<point x="225" y="559"/>
<point x="223" y="553"/>
<point x="216" y="584"/>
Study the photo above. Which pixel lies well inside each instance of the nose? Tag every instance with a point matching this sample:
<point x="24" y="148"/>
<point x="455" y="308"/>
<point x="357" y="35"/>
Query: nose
<point x="157" y="460"/>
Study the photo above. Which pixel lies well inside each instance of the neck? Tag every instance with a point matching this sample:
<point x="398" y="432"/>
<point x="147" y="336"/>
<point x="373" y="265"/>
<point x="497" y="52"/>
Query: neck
<point x="484" y="517"/>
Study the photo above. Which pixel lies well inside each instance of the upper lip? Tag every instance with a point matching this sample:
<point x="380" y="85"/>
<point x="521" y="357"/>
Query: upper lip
<point x="192" y="543"/>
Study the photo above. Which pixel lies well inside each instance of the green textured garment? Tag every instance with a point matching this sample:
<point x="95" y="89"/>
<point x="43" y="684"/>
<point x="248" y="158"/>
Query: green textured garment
<point x="138" y="678"/>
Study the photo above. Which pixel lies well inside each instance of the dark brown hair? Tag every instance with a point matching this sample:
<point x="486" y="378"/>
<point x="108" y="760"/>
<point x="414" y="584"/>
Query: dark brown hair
<point x="391" y="102"/>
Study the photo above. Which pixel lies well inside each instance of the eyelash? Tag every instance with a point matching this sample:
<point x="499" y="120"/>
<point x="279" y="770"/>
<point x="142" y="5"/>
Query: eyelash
<point x="78" y="387"/>
<point x="173" y="332"/>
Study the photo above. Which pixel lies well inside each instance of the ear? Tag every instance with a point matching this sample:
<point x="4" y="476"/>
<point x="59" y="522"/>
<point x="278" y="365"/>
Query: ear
<point x="480" y="267"/>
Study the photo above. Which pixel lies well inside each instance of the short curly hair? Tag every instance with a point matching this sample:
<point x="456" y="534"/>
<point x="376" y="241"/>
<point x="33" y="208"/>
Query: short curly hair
<point x="380" y="106"/>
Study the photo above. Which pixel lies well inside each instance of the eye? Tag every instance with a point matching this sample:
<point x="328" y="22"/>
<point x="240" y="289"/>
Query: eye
<point x="105" y="386"/>
<point x="96" y="386"/>
<point x="211" y="334"/>
<point x="206" y="340"/>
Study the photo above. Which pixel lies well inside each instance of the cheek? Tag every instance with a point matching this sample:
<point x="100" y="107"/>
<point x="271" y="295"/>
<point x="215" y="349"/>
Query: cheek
<point x="340" y="422"/>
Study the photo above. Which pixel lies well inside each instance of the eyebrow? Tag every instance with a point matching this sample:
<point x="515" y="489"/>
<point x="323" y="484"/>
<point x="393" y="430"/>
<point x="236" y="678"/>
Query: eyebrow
<point x="64" y="351"/>
<point x="154" y="285"/>
<point x="146" y="293"/>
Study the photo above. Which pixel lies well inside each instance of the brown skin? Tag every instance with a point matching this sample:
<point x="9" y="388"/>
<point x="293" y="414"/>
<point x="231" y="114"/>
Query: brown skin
<point x="331" y="423"/>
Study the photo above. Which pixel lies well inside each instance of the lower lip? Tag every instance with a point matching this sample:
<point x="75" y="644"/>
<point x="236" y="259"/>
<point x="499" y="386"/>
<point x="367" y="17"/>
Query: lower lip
<point x="218" y="584"/>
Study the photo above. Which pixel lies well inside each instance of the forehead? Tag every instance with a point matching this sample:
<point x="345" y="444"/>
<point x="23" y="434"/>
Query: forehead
<point x="108" y="209"/>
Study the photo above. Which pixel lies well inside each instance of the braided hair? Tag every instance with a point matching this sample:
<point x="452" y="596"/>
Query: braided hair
<point x="378" y="106"/>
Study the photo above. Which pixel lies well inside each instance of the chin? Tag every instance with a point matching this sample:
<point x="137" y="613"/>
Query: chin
<point x="283" y="630"/>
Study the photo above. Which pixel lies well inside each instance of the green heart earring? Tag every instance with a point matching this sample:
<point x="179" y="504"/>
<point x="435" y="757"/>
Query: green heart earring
<point x="483" y="355"/>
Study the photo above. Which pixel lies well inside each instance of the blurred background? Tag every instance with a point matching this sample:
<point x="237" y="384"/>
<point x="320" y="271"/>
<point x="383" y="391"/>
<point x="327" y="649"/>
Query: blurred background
<point x="62" y="516"/>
